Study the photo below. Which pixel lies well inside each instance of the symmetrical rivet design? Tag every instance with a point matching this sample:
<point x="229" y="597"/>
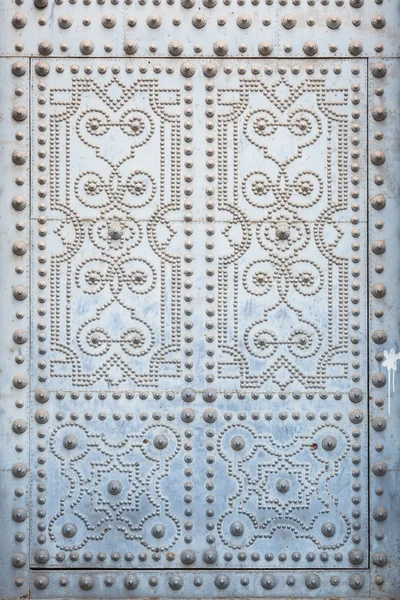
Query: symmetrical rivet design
<point x="185" y="256"/>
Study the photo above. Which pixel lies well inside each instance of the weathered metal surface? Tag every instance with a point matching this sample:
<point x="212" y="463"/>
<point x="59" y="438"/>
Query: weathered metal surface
<point x="14" y="298"/>
<point x="185" y="312"/>
<point x="384" y="222"/>
<point x="210" y="28"/>
<point x="263" y="476"/>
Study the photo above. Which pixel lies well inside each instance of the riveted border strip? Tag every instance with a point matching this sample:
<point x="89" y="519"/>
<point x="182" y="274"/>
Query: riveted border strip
<point x="384" y="224"/>
<point x="183" y="585"/>
<point x="14" y="327"/>
<point x="187" y="28"/>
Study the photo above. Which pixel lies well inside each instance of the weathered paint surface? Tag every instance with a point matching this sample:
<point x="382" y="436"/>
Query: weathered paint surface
<point x="199" y="330"/>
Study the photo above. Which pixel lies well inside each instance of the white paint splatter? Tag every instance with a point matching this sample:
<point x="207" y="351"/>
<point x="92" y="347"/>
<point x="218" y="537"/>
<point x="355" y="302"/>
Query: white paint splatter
<point x="390" y="363"/>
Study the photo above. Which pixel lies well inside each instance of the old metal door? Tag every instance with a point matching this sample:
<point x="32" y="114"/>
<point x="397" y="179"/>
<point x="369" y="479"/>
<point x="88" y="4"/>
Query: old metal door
<point x="199" y="301"/>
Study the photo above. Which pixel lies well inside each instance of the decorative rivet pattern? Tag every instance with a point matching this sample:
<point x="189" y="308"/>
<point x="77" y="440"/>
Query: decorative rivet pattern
<point x="170" y="230"/>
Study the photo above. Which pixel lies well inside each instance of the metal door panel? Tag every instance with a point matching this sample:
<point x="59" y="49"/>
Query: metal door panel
<point x="194" y="253"/>
<point x="266" y="471"/>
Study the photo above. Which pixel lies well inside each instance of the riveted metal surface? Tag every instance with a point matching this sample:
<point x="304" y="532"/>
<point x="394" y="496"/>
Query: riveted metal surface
<point x="14" y="298"/>
<point x="199" y="324"/>
<point x="147" y="482"/>
<point x="207" y="28"/>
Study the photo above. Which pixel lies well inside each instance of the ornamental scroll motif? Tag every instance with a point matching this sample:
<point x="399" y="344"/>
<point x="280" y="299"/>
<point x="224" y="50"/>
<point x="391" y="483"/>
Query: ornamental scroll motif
<point x="115" y="268"/>
<point x="283" y="202"/>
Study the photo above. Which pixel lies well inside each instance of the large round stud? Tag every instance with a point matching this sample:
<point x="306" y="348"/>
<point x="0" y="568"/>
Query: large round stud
<point x="114" y="487"/>
<point x="199" y="21"/>
<point x="356" y="581"/>
<point x="42" y="69"/>
<point x="86" y="582"/>
<point x="329" y="443"/>
<point x="379" y="380"/>
<point x="237" y="528"/>
<point x="108" y="21"/>
<point x="289" y="21"/>
<point x="175" y="48"/>
<point x="356" y="557"/>
<point x="378" y="157"/>
<point x="379" y="469"/>
<point x="131" y="582"/>
<point x="209" y="395"/>
<point x="160" y="441"/>
<point x="283" y="485"/>
<point x="210" y="69"/>
<point x="356" y="395"/>
<point x="19" y="113"/>
<point x="19" y="426"/>
<point x="41" y="557"/>
<point x="18" y="68"/>
<point x="312" y="581"/>
<point x="153" y="21"/>
<point x="70" y="441"/>
<point x="310" y="48"/>
<point x="334" y="21"/>
<point x="45" y="48"/>
<point x="378" y="290"/>
<point x="188" y="557"/>
<point x="20" y="336"/>
<point x="158" y="530"/>
<point x="175" y="582"/>
<point x="243" y="21"/>
<point x="379" y="336"/>
<point x="42" y="396"/>
<point x="379" y="424"/>
<point x="188" y="69"/>
<point x="378" y="21"/>
<point x="19" y="21"/>
<point x="380" y="559"/>
<point x="18" y="203"/>
<point x="19" y="470"/>
<point x="379" y="69"/>
<point x="237" y="443"/>
<point x="86" y="47"/>
<point x="18" y="560"/>
<point x="188" y="395"/>
<point x="380" y="513"/>
<point x="69" y="530"/>
<point x="20" y="381"/>
<point x="20" y="292"/>
<point x="210" y="556"/>
<point x="265" y="48"/>
<point x="64" y="21"/>
<point x="19" y="515"/>
<point x="19" y="157"/>
<point x="328" y="529"/>
<point x="41" y="582"/>
<point x="379" y="247"/>
<point x="355" y="47"/>
<point x="378" y="202"/>
<point x="268" y="581"/>
<point x="130" y="47"/>
<point x="221" y="581"/>
<point x="379" y="113"/>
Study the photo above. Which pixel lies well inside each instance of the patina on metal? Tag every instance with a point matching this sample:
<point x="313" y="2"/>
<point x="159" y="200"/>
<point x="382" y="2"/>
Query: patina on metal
<point x="200" y="314"/>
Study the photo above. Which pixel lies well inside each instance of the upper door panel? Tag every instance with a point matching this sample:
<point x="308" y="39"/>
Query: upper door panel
<point x="343" y="28"/>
